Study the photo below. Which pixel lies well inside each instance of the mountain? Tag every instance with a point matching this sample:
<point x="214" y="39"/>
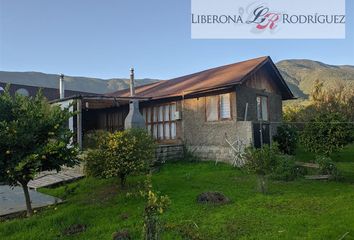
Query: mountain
<point x="82" y="84"/>
<point x="302" y="74"/>
<point x="299" y="74"/>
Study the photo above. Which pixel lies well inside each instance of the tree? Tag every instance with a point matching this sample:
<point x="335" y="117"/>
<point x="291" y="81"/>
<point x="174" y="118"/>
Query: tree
<point x="122" y="154"/>
<point x="326" y="133"/>
<point x="34" y="137"/>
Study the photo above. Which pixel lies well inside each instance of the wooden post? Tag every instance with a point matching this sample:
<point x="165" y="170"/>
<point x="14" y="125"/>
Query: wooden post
<point x="79" y="123"/>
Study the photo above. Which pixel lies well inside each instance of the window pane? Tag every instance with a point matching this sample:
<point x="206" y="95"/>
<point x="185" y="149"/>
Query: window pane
<point x="160" y="131"/>
<point x="167" y="131"/>
<point x="149" y="129"/>
<point x="154" y="131"/>
<point x="173" y="111"/>
<point x="173" y="130"/>
<point x="167" y="112"/>
<point x="265" y="108"/>
<point x="155" y="114"/>
<point x="149" y="115"/>
<point x="161" y="114"/>
<point x="212" y="113"/>
<point x="259" y="112"/>
<point x="225" y="110"/>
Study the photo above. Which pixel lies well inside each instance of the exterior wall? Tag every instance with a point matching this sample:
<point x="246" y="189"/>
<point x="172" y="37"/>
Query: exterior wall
<point x="207" y="140"/>
<point x="260" y="84"/>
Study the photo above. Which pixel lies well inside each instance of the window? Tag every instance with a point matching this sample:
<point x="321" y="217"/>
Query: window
<point x="225" y="110"/>
<point x="160" y="121"/>
<point x="212" y="109"/>
<point x="262" y="108"/>
<point x="218" y="107"/>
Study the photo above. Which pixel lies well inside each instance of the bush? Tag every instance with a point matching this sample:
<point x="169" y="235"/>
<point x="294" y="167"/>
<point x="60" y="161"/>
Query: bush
<point x="92" y="139"/>
<point x="327" y="166"/>
<point x="121" y="154"/>
<point x="94" y="164"/>
<point x="285" y="169"/>
<point x="261" y="162"/>
<point x="326" y="133"/>
<point x="286" y="138"/>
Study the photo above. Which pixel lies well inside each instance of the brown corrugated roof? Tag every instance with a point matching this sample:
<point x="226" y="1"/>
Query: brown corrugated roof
<point x="215" y="78"/>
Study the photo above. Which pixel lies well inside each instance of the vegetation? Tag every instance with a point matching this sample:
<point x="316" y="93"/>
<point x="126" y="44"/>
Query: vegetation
<point x="326" y="133"/>
<point x="261" y="162"/>
<point x="326" y="122"/>
<point x="33" y="137"/>
<point x="299" y="209"/>
<point x="285" y="168"/>
<point x="121" y="154"/>
<point x="155" y="206"/>
<point x="286" y="138"/>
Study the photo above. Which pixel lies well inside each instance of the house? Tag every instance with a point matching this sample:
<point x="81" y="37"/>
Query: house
<point x="200" y="111"/>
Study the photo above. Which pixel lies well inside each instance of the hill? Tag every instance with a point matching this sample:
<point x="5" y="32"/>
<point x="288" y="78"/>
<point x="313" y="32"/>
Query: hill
<point x="82" y="84"/>
<point x="302" y="74"/>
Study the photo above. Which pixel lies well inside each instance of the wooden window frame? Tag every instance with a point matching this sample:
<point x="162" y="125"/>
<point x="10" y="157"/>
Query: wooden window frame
<point x="156" y="123"/>
<point x="261" y="107"/>
<point x="219" y="108"/>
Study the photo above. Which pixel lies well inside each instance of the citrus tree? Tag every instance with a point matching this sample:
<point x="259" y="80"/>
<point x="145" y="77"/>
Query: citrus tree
<point x="34" y="137"/>
<point x="121" y="154"/>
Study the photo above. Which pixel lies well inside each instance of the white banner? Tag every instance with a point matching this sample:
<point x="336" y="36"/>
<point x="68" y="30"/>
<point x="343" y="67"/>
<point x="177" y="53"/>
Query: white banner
<point x="268" y="19"/>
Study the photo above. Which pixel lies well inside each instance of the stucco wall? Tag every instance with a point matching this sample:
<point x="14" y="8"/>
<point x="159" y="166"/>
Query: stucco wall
<point x="207" y="140"/>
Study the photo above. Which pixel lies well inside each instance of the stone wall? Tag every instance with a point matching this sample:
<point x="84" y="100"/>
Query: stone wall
<point x="166" y="153"/>
<point x="207" y="140"/>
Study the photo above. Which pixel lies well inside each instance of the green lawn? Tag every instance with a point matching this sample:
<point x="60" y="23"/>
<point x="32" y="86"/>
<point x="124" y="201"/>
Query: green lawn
<point x="292" y="210"/>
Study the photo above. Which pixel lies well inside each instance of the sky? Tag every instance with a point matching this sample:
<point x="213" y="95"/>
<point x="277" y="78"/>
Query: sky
<point x="104" y="38"/>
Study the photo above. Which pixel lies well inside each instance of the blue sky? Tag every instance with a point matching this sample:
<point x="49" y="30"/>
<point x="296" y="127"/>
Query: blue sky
<point x="105" y="38"/>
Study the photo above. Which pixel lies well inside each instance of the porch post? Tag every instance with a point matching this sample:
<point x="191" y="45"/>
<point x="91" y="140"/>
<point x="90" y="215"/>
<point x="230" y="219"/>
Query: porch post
<point x="79" y="123"/>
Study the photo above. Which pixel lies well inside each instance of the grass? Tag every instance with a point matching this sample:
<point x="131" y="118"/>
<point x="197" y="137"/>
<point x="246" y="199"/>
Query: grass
<point x="292" y="210"/>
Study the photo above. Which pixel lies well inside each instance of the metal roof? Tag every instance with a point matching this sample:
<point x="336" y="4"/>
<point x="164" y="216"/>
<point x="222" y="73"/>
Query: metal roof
<point x="212" y="79"/>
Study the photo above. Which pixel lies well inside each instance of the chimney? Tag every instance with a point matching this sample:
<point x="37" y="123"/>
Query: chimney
<point x="132" y="85"/>
<point x="134" y="118"/>
<point x="61" y="86"/>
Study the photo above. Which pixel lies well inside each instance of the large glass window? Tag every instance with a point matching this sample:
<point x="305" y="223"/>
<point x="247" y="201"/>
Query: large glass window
<point x="160" y="121"/>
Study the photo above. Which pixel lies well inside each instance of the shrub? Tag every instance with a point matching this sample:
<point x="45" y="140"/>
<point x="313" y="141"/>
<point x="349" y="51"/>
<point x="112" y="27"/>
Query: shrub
<point x="285" y="168"/>
<point x="94" y="163"/>
<point x="92" y="139"/>
<point x="155" y="206"/>
<point x="261" y="162"/>
<point x="286" y="138"/>
<point x="327" y="166"/>
<point x="121" y="154"/>
<point x="326" y="133"/>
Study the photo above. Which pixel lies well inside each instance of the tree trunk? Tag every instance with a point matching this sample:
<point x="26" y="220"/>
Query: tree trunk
<point x="28" y="199"/>
<point x="122" y="181"/>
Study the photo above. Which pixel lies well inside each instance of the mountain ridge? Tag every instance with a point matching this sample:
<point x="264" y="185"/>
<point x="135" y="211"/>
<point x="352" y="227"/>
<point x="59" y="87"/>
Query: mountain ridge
<point x="300" y="75"/>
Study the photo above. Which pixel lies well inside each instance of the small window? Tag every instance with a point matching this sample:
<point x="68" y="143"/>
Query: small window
<point x="262" y="108"/>
<point x="218" y="107"/>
